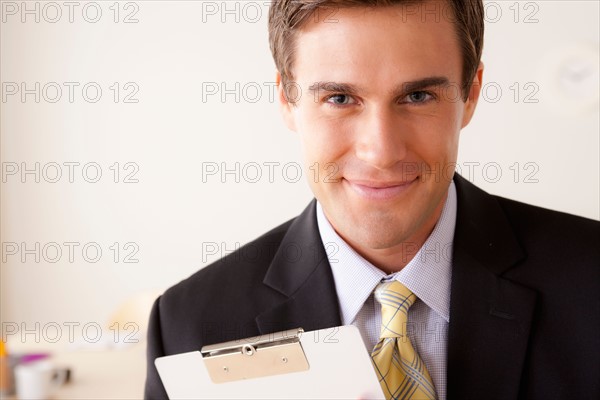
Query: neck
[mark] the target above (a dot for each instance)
(395, 258)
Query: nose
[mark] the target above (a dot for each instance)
(380, 141)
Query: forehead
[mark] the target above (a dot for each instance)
(355, 43)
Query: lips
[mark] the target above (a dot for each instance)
(378, 190)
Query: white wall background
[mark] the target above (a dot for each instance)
(170, 215)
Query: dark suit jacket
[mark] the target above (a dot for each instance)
(524, 313)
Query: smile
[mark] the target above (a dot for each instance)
(379, 190)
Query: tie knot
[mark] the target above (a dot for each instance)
(395, 300)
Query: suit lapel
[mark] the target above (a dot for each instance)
(300, 271)
(490, 316)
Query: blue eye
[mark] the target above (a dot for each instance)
(339, 99)
(419, 97)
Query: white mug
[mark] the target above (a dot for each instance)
(38, 380)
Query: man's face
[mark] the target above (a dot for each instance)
(379, 117)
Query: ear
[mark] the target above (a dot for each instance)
(474, 93)
(285, 107)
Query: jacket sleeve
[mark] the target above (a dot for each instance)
(154, 388)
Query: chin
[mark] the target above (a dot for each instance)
(379, 234)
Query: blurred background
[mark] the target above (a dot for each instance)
(141, 141)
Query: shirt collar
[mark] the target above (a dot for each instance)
(428, 275)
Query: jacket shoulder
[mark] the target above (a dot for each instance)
(562, 254)
(535, 224)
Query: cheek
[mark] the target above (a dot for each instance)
(323, 140)
(435, 140)
(324, 148)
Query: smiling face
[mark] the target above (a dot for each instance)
(379, 118)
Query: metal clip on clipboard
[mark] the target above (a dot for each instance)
(279, 353)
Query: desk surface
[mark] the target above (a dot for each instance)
(102, 374)
(109, 374)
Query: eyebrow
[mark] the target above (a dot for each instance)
(433, 81)
(333, 87)
(406, 87)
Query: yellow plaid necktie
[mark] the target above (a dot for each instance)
(402, 373)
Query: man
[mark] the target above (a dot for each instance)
(503, 296)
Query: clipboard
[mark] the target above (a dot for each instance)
(330, 363)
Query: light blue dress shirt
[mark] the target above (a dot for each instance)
(428, 275)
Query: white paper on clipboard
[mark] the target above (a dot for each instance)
(339, 368)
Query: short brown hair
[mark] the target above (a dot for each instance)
(287, 16)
